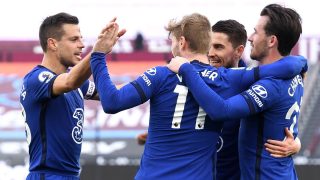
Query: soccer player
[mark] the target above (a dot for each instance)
(52, 98)
(228, 41)
(181, 139)
(272, 103)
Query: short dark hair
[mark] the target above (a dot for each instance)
(285, 24)
(51, 27)
(235, 31)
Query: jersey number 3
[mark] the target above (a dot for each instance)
(294, 108)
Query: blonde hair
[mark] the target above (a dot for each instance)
(195, 28)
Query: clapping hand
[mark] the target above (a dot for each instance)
(108, 37)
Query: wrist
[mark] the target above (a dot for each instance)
(98, 53)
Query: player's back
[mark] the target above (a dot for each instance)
(280, 102)
(181, 138)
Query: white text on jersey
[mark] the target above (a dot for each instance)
(146, 79)
(255, 97)
(294, 84)
(210, 74)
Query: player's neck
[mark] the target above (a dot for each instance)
(271, 58)
(236, 64)
(200, 57)
(53, 64)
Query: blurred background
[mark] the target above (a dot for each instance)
(110, 150)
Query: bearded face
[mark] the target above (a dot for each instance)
(259, 40)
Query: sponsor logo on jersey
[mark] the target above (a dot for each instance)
(146, 79)
(90, 90)
(209, 74)
(260, 90)
(219, 144)
(255, 97)
(45, 76)
(294, 84)
(77, 130)
(152, 71)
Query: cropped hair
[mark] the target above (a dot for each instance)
(235, 31)
(51, 27)
(285, 24)
(195, 28)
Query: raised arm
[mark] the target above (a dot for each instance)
(112, 99)
(78, 74)
(73, 79)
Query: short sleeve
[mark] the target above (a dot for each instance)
(40, 83)
(262, 95)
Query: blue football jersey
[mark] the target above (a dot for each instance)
(280, 101)
(181, 137)
(227, 158)
(53, 123)
(235, 107)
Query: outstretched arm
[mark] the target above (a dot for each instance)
(112, 99)
(213, 104)
(78, 74)
(285, 68)
(234, 107)
(96, 94)
(284, 148)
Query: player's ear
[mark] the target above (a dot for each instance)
(273, 41)
(182, 42)
(240, 50)
(52, 44)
